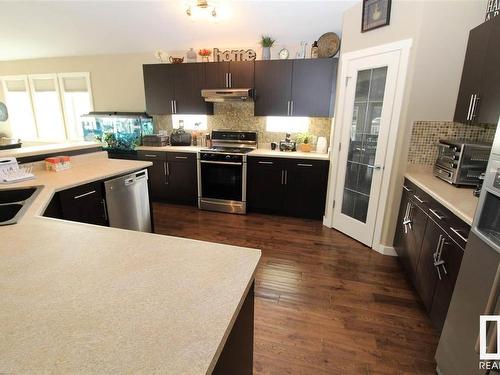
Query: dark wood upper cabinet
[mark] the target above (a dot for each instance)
(234, 74)
(189, 80)
(273, 87)
(159, 89)
(175, 89)
(313, 87)
(479, 90)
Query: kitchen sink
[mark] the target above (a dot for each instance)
(14, 202)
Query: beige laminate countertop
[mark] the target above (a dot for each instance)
(257, 152)
(79, 298)
(460, 201)
(48, 149)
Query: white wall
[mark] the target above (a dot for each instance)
(439, 30)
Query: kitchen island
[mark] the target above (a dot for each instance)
(80, 298)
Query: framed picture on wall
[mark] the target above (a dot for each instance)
(376, 13)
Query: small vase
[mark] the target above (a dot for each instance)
(266, 53)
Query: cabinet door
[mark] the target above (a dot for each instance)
(489, 105)
(182, 178)
(157, 173)
(416, 230)
(305, 184)
(158, 89)
(84, 203)
(452, 256)
(312, 83)
(242, 74)
(216, 75)
(273, 87)
(265, 185)
(472, 73)
(427, 276)
(189, 81)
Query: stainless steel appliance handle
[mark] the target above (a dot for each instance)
(458, 234)
(492, 301)
(220, 162)
(440, 217)
(266, 162)
(304, 165)
(418, 198)
(470, 105)
(84, 194)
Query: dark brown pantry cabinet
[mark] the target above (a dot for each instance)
(479, 93)
(285, 186)
(234, 74)
(430, 242)
(173, 176)
(295, 87)
(175, 89)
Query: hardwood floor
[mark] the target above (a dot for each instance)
(325, 304)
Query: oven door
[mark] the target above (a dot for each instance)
(222, 180)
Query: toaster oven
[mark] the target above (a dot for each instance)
(460, 162)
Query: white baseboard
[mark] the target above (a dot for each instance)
(385, 250)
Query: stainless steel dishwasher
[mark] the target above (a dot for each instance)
(128, 202)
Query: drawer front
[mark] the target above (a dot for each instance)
(151, 155)
(181, 156)
(265, 162)
(307, 163)
(456, 228)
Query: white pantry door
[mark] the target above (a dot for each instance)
(366, 121)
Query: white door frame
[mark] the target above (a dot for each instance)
(403, 47)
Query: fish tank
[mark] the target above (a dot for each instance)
(120, 132)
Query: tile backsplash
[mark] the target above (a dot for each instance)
(239, 116)
(426, 134)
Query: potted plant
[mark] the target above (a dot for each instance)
(304, 140)
(205, 54)
(266, 42)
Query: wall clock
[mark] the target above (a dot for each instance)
(284, 54)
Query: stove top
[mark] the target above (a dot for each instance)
(229, 150)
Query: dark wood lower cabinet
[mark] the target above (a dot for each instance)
(84, 203)
(237, 355)
(428, 249)
(294, 187)
(173, 176)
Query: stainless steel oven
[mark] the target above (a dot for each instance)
(222, 172)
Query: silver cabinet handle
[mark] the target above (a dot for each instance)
(266, 162)
(418, 198)
(282, 177)
(151, 156)
(230, 79)
(172, 106)
(84, 194)
(407, 217)
(458, 234)
(304, 165)
(440, 217)
(165, 172)
(406, 188)
(227, 80)
(181, 157)
(288, 109)
(291, 108)
(470, 106)
(474, 107)
(105, 209)
(286, 177)
(175, 106)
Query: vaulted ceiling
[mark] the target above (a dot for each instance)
(35, 29)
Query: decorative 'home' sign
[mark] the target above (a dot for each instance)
(234, 55)
(492, 9)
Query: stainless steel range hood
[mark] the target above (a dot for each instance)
(227, 95)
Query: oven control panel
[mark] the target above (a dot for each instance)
(215, 156)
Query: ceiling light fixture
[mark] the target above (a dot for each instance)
(201, 7)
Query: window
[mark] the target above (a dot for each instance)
(190, 122)
(47, 107)
(287, 124)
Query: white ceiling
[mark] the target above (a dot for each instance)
(35, 29)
